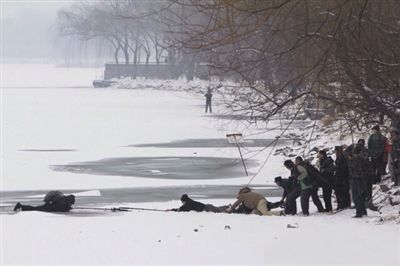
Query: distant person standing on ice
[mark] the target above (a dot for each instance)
(208, 96)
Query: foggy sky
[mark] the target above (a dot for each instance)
(28, 29)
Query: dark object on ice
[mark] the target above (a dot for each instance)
(196, 230)
(295, 225)
(55, 201)
(102, 83)
(227, 227)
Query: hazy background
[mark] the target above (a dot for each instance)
(29, 34)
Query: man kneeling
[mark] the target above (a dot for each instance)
(254, 201)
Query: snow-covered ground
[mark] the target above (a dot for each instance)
(52, 116)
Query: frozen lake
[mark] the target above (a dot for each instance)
(65, 135)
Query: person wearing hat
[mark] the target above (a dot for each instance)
(287, 186)
(252, 200)
(376, 151)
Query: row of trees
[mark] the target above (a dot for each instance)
(127, 26)
(340, 53)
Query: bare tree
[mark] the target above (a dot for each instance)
(341, 53)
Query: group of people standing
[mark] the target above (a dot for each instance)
(350, 176)
(353, 172)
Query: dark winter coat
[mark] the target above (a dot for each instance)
(376, 145)
(327, 170)
(341, 171)
(55, 201)
(357, 167)
(313, 173)
(208, 96)
(287, 186)
(59, 206)
(191, 205)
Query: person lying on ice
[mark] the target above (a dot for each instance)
(54, 201)
(191, 205)
(254, 201)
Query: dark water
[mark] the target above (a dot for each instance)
(210, 143)
(162, 167)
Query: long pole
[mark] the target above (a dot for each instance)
(241, 156)
(101, 209)
(142, 209)
(123, 209)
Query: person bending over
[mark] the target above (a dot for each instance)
(252, 200)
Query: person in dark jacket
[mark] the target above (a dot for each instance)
(208, 96)
(305, 188)
(316, 183)
(191, 205)
(288, 186)
(357, 169)
(327, 171)
(371, 174)
(55, 201)
(341, 181)
(376, 150)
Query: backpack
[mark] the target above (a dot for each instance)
(312, 171)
